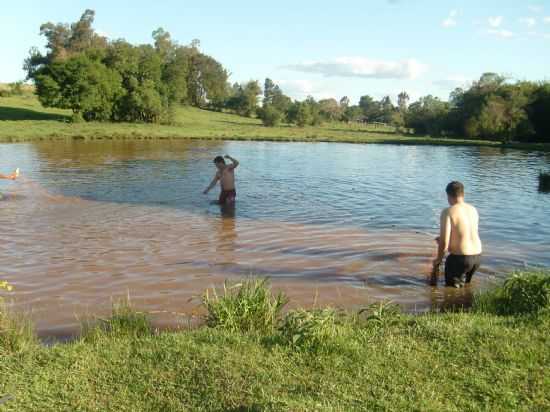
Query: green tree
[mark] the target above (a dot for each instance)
(352, 114)
(539, 112)
(330, 110)
(403, 101)
(87, 87)
(270, 115)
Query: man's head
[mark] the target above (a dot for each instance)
(219, 162)
(455, 192)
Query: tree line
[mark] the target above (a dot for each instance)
(112, 80)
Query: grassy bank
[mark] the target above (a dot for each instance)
(251, 357)
(23, 119)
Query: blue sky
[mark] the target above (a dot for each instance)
(321, 48)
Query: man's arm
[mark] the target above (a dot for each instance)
(444, 237)
(212, 183)
(235, 162)
(13, 176)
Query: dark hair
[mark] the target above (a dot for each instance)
(455, 189)
(219, 159)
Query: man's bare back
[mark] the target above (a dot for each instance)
(462, 220)
(459, 235)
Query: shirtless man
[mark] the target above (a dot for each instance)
(13, 176)
(459, 236)
(226, 175)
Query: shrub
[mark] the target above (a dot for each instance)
(382, 314)
(309, 329)
(15, 333)
(521, 294)
(270, 116)
(124, 321)
(248, 306)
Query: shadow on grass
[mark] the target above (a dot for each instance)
(15, 114)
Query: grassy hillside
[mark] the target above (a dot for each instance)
(22, 118)
(250, 358)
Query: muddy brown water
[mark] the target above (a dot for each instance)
(330, 224)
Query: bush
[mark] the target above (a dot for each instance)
(270, 116)
(248, 306)
(382, 313)
(16, 334)
(544, 182)
(309, 329)
(124, 321)
(521, 294)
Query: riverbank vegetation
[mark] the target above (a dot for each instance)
(103, 80)
(23, 119)
(253, 356)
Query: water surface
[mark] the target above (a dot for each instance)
(329, 223)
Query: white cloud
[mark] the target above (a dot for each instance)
(505, 34)
(546, 20)
(535, 8)
(528, 21)
(450, 21)
(300, 89)
(495, 22)
(453, 82)
(362, 67)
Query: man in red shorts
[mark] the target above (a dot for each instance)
(226, 176)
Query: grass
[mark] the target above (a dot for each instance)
(23, 119)
(247, 306)
(379, 359)
(523, 295)
(544, 182)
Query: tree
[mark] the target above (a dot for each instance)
(244, 99)
(270, 115)
(539, 112)
(344, 102)
(330, 110)
(85, 86)
(352, 114)
(273, 95)
(303, 115)
(152, 79)
(403, 101)
(428, 116)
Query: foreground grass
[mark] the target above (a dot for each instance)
(23, 119)
(379, 360)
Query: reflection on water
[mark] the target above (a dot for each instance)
(330, 224)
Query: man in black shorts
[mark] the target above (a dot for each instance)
(459, 236)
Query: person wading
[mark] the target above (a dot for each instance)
(226, 176)
(459, 236)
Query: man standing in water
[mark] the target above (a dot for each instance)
(459, 236)
(13, 176)
(226, 175)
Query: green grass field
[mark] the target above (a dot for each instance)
(252, 357)
(22, 119)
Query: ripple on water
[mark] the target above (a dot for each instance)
(329, 224)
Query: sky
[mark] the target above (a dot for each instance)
(318, 48)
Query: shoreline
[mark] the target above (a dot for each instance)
(390, 140)
(251, 356)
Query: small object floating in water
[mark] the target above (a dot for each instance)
(17, 172)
